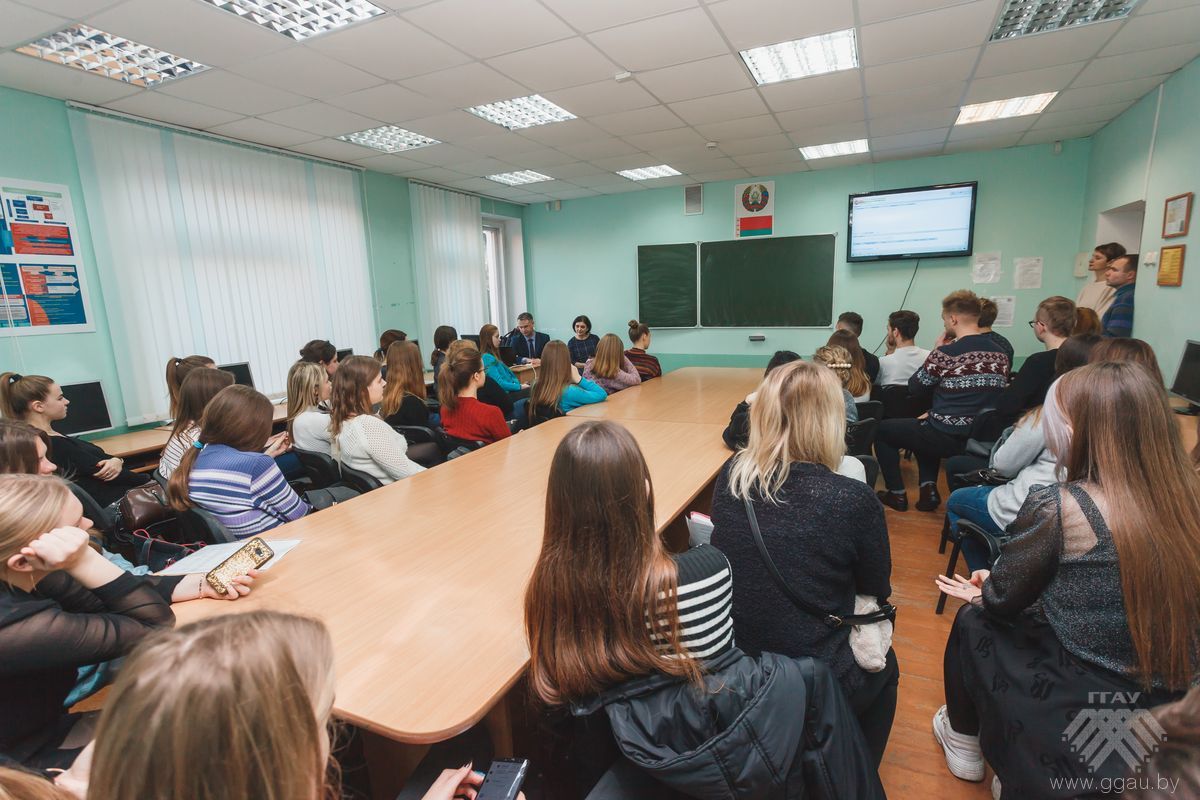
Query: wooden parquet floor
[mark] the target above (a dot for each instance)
(913, 766)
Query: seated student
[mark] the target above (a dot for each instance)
(463, 415)
(737, 432)
(258, 703)
(987, 317)
(859, 384)
(177, 370)
(825, 532)
(39, 401)
(1096, 293)
(646, 364)
(559, 387)
(903, 357)
(526, 342)
(837, 359)
(1074, 608)
(443, 336)
(363, 441)
(1173, 770)
(229, 474)
(964, 375)
(490, 392)
(497, 370)
(1086, 321)
(852, 322)
(309, 388)
(405, 392)
(1135, 350)
(619, 628)
(1052, 323)
(386, 339)
(583, 344)
(609, 368)
(320, 351)
(198, 388)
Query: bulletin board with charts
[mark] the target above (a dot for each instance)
(42, 284)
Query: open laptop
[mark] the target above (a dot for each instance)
(508, 355)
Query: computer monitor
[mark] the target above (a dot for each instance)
(508, 355)
(240, 372)
(343, 354)
(1187, 378)
(87, 412)
(471, 337)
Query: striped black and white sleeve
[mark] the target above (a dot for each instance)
(705, 597)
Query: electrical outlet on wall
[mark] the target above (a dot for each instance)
(1150, 259)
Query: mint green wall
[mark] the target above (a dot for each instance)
(582, 259)
(45, 153)
(1165, 316)
(389, 232)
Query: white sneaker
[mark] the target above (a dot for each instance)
(995, 787)
(964, 759)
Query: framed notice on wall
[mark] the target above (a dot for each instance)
(1177, 213)
(42, 285)
(1170, 265)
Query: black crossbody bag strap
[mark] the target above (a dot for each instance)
(886, 612)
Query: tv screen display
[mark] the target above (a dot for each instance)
(342, 355)
(87, 411)
(921, 222)
(1187, 377)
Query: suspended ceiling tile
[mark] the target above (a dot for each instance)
(501, 144)
(1049, 49)
(602, 97)
(1100, 95)
(995, 128)
(452, 126)
(952, 28)
(839, 161)
(332, 149)
(262, 132)
(165, 108)
(222, 89)
(910, 140)
(697, 79)
(719, 108)
(657, 140)
(661, 41)
(748, 127)
(1046, 135)
(466, 86)
(1149, 31)
(955, 65)
(558, 65)
(928, 98)
(23, 24)
(1080, 116)
(590, 15)
(600, 148)
(389, 47)
(304, 72)
(54, 80)
(909, 123)
(574, 131)
(763, 144)
(754, 23)
(322, 119)
(642, 120)
(390, 163)
(982, 143)
(1144, 63)
(850, 111)
(903, 154)
(829, 134)
(732, 174)
(818, 90)
(754, 161)
(1021, 84)
(390, 103)
(879, 10)
(488, 29)
(546, 157)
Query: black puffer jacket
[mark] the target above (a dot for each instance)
(773, 728)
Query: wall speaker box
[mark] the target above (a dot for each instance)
(693, 199)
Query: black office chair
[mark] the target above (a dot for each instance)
(159, 478)
(872, 468)
(624, 781)
(198, 525)
(967, 529)
(898, 403)
(870, 409)
(860, 436)
(320, 468)
(426, 446)
(359, 480)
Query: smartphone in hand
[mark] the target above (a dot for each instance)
(504, 779)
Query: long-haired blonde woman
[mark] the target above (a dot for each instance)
(559, 387)
(825, 532)
(364, 441)
(838, 360)
(405, 392)
(199, 387)
(177, 370)
(859, 384)
(309, 387)
(1095, 591)
(610, 368)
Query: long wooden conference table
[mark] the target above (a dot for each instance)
(421, 582)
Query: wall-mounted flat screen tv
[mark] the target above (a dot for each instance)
(921, 222)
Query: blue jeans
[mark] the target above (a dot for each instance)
(970, 503)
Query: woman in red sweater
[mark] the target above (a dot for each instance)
(464, 416)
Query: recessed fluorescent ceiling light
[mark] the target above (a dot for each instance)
(835, 149)
(1003, 109)
(646, 173)
(1023, 17)
(816, 55)
(389, 139)
(113, 57)
(522, 112)
(518, 178)
(300, 19)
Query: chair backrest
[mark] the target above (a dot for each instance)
(196, 524)
(966, 528)
(359, 480)
(860, 436)
(320, 468)
(102, 521)
(159, 478)
(870, 409)
(540, 414)
(872, 469)
(624, 781)
(898, 403)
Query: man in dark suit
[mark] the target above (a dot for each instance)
(527, 343)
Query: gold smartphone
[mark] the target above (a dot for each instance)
(252, 555)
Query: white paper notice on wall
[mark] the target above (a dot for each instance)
(1006, 310)
(1081, 264)
(985, 268)
(1027, 272)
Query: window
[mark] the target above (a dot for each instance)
(493, 260)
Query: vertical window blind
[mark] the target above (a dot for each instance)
(448, 261)
(212, 248)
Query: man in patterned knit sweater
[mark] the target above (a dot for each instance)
(965, 372)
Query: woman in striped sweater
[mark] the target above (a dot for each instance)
(227, 473)
(197, 389)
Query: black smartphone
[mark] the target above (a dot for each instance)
(504, 779)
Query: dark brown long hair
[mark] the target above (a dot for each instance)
(1087, 321)
(238, 417)
(405, 375)
(351, 393)
(443, 335)
(462, 362)
(18, 446)
(553, 377)
(387, 339)
(177, 371)
(485, 340)
(860, 382)
(1153, 497)
(1124, 349)
(602, 574)
(196, 391)
(18, 392)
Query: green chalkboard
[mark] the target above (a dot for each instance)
(784, 281)
(667, 285)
